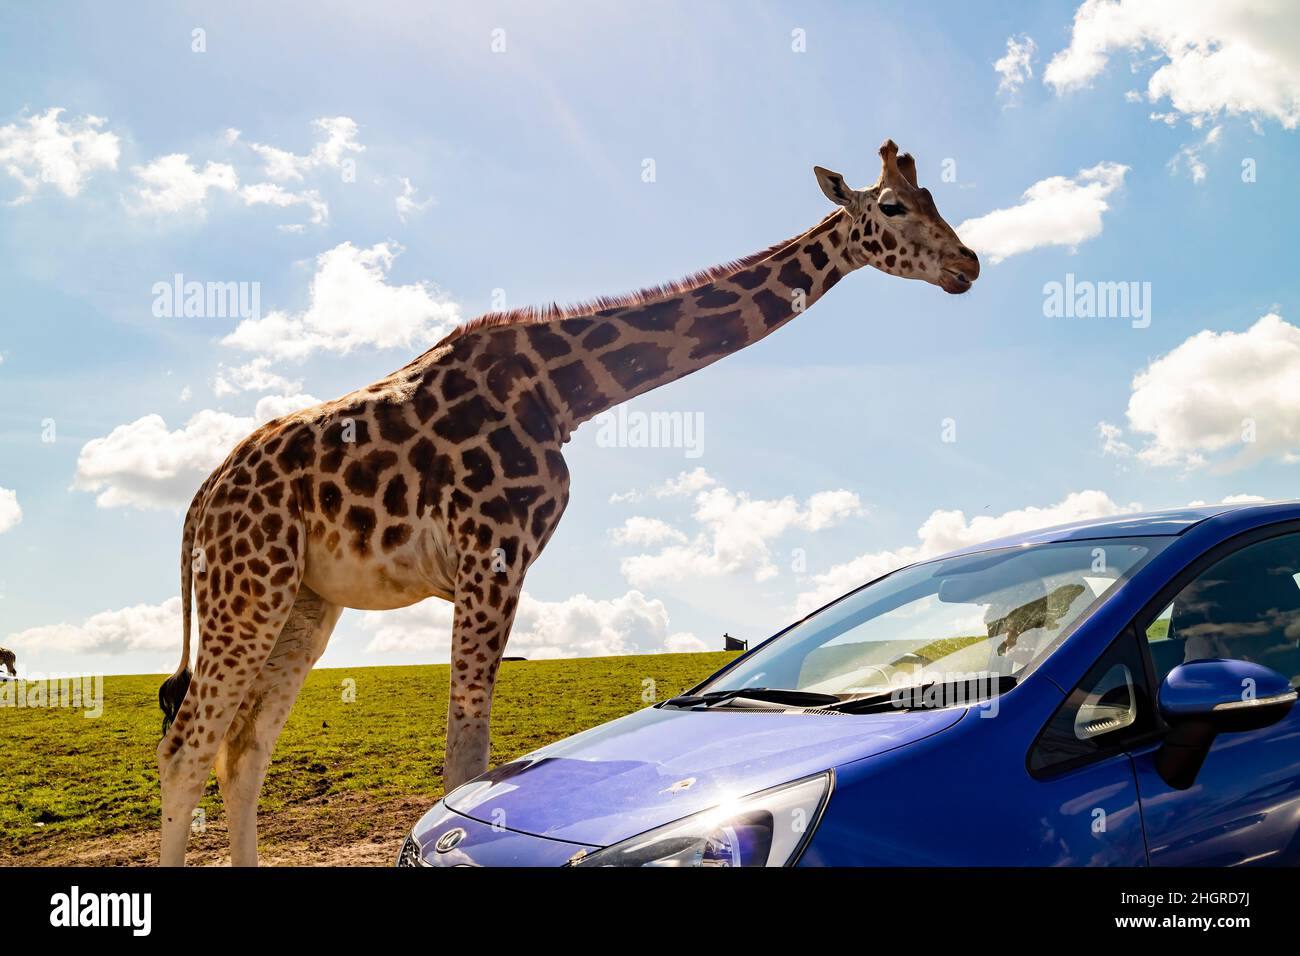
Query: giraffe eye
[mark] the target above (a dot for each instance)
(892, 208)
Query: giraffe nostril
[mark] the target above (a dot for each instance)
(967, 253)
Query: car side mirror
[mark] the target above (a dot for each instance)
(1201, 699)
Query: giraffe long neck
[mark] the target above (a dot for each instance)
(592, 362)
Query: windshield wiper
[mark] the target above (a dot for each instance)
(931, 695)
(775, 695)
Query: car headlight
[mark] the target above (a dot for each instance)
(768, 828)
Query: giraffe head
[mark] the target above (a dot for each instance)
(896, 226)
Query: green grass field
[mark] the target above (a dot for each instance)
(373, 730)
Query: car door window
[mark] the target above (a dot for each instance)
(1245, 606)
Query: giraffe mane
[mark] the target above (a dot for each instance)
(533, 314)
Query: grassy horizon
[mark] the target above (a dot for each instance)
(377, 729)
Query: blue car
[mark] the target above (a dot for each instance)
(1112, 692)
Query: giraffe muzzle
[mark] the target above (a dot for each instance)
(961, 272)
(954, 281)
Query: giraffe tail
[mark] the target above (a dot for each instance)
(172, 692)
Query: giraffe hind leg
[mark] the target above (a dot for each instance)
(245, 751)
(239, 627)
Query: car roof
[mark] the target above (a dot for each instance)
(1145, 524)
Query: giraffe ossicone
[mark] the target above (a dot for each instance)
(446, 479)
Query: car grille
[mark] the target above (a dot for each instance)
(409, 855)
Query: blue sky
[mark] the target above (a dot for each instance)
(1110, 142)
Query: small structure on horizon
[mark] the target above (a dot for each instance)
(730, 643)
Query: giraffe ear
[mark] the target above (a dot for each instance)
(907, 166)
(833, 185)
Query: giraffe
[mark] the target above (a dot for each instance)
(446, 479)
(9, 661)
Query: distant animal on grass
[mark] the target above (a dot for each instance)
(446, 479)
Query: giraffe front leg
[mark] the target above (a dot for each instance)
(494, 556)
(479, 636)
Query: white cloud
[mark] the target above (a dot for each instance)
(1231, 500)
(144, 465)
(645, 531)
(271, 407)
(1112, 441)
(406, 202)
(254, 376)
(279, 163)
(828, 508)
(1016, 65)
(1056, 211)
(351, 305)
(340, 138)
(271, 194)
(578, 626)
(44, 149)
(10, 513)
(172, 184)
(1190, 156)
(1221, 391)
(947, 531)
(736, 532)
(683, 642)
(842, 578)
(143, 627)
(1239, 57)
(685, 484)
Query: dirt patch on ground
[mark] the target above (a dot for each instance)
(348, 830)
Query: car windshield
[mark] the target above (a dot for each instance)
(996, 614)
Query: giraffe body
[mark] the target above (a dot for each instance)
(446, 479)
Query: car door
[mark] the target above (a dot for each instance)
(1087, 790)
(1241, 601)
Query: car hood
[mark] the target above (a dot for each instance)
(659, 765)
